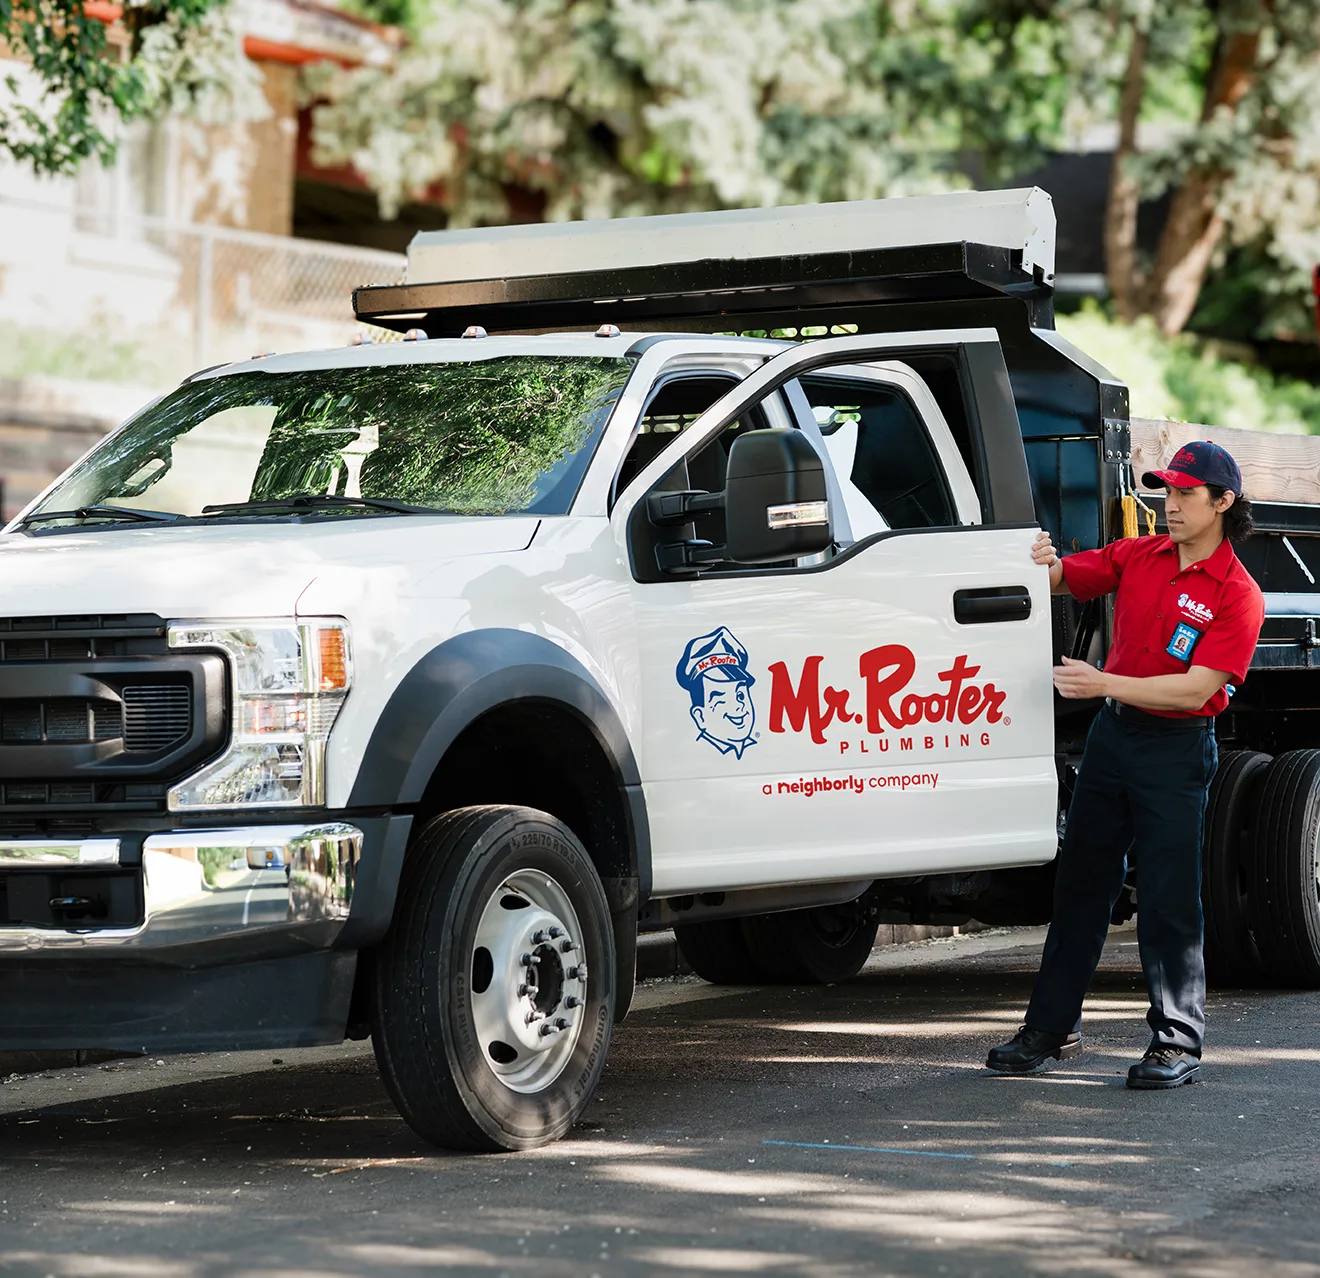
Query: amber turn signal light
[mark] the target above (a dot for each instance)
(334, 659)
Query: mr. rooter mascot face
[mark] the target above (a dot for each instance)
(714, 671)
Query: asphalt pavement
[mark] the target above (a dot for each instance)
(841, 1131)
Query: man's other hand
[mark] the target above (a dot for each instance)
(1043, 551)
(1077, 680)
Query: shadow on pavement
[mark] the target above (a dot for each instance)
(837, 1131)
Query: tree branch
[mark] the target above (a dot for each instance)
(1195, 226)
(1124, 193)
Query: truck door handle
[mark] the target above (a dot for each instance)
(997, 603)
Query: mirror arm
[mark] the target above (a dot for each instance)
(688, 558)
(667, 509)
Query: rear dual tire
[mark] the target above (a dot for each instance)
(823, 945)
(1285, 885)
(1231, 956)
(1260, 889)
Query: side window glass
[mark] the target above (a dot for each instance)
(657, 549)
(672, 409)
(877, 439)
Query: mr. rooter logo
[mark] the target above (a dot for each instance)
(890, 708)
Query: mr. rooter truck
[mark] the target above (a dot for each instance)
(676, 572)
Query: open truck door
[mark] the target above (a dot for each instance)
(880, 704)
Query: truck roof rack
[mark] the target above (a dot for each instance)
(726, 270)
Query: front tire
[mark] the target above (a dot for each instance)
(494, 988)
(1285, 894)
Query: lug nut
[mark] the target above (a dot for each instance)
(572, 1001)
(547, 1030)
(529, 960)
(556, 933)
(522, 990)
(538, 937)
(566, 947)
(560, 1023)
(577, 973)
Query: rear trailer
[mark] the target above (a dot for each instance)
(977, 260)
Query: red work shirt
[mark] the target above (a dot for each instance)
(1168, 618)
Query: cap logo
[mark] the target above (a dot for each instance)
(716, 659)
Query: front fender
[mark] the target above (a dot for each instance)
(453, 686)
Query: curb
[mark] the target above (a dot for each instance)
(36, 1062)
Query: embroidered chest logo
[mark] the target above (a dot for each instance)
(1194, 609)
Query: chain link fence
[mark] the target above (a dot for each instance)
(147, 300)
(99, 314)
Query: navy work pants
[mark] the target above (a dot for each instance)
(1141, 786)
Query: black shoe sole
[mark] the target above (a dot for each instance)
(1163, 1085)
(1065, 1053)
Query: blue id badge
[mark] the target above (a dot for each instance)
(1183, 641)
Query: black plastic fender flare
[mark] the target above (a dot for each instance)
(451, 687)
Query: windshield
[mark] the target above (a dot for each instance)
(488, 437)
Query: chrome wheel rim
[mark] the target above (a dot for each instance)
(528, 980)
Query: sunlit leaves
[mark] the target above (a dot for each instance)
(87, 80)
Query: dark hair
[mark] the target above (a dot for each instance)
(1239, 523)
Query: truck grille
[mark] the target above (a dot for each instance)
(79, 638)
(98, 713)
(62, 721)
(156, 715)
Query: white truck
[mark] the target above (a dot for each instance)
(391, 690)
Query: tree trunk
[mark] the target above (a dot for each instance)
(1124, 196)
(1194, 227)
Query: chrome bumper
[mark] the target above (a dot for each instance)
(247, 891)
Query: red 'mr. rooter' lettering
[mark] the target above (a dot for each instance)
(803, 704)
(887, 671)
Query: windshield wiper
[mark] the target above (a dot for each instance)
(101, 512)
(317, 501)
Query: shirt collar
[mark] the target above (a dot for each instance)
(1218, 566)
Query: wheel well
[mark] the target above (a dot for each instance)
(539, 754)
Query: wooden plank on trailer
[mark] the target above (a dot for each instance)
(1282, 468)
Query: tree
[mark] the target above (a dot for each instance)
(121, 62)
(579, 108)
(1247, 169)
(569, 108)
(1235, 87)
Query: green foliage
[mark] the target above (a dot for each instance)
(178, 56)
(96, 354)
(619, 107)
(610, 107)
(1189, 379)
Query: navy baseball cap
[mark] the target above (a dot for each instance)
(1197, 463)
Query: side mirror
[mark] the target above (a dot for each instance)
(775, 504)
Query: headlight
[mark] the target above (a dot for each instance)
(289, 679)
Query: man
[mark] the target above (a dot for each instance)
(1186, 620)
(713, 669)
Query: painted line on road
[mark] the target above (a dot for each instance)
(878, 1149)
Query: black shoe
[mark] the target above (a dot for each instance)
(1029, 1049)
(1164, 1067)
